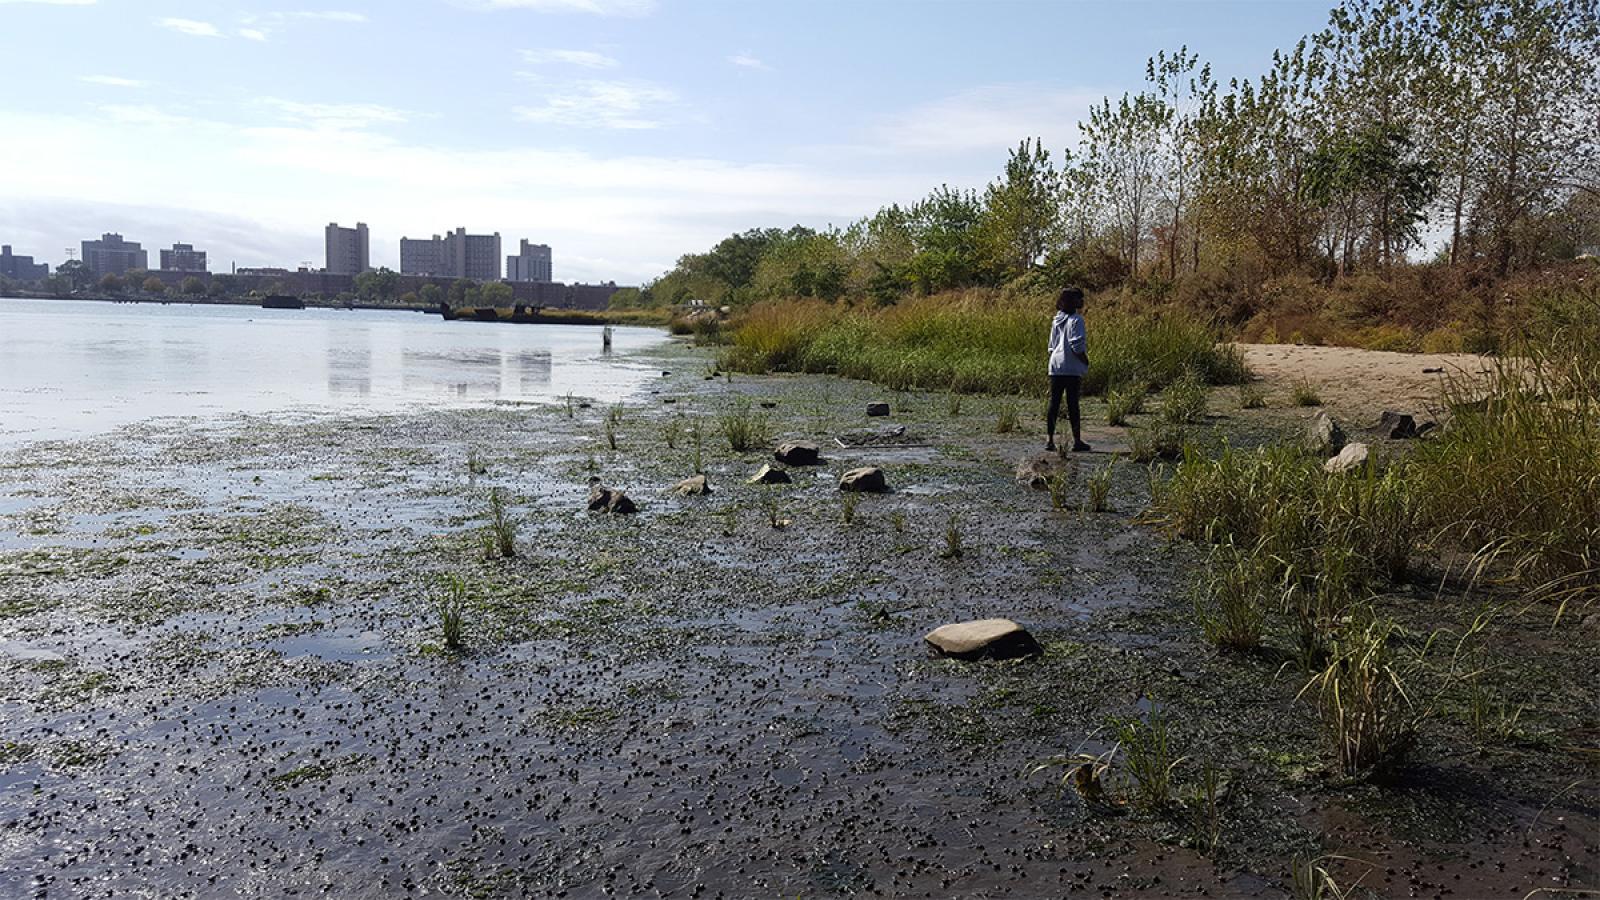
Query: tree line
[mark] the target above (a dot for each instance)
(1472, 126)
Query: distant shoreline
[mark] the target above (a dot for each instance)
(540, 316)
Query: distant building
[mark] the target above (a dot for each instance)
(183, 258)
(111, 255)
(456, 255)
(21, 268)
(532, 263)
(347, 249)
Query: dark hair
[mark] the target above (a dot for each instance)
(1070, 300)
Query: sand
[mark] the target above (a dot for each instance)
(1361, 383)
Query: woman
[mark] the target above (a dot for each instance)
(1069, 360)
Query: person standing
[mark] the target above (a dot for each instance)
(1069, 361)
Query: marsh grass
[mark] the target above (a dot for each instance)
(1160, 440)
(1310, 879)
(1233, 596)
(1060, 486)
(1205, 810)
(502, 528)
(1305, 394)
(572, 405)
(1098, 488)
(475, 463)
(1149, 760)
(1124, 401)
(971, 341)
(730, 519)
(671, 431)
(1006, 418)
(451, 595)
(744, 428)
(953, 548)
(611, 433)
(1252, 397)
(1184, 400)
(952, 405)
(1367, 715)
(897, 520)
(697, 439)
(848, 500)
(774, 509)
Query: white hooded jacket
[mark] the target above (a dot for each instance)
(1067, 339)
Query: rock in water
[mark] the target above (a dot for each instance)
(798, 453)
(610, 500)
(692, 486)
(877, 409)
(1395, 426)
(868, 480)
(982, 639)
(770, 475)
(1353, 456)
(1036, 470)
(1324, 437)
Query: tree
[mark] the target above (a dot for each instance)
(380, 285)
(624, 298)
(216, 290)
(154, 285)
(1379, 187)
(462, 290)
(1022, 210)
(496, 293)
(74, 274)
(109, 282)
(431, 294)
(1124, 144)
(192, 287)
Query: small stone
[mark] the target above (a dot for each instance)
(1433, 370)
(769, 475)
(798, 453)
(1037, 469)
(877, 409)
(769, 404)
(669, 400)
(609, 500)
(1395, 426)
(982, 639)
(1353, 456)
(1324, 437)
(867, 480)
(692, 486)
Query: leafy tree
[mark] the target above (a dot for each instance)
(1022, 210)
(216, 289)
(625, 298)
(109, 282)
(1124, 142)
(154, 285)
(462, 290)
(380, 285)
(74, 274)
(431, 294)
(192, 287)
(496, 293)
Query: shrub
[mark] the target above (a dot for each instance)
(450, 598)
(1252, 397)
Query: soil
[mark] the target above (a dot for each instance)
(223, 672)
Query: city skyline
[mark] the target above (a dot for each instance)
(627, 132)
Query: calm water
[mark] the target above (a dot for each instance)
(72, 368)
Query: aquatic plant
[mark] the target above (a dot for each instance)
(475, 464)
(1184, 400)
(952, 538)
(897, 520)
(1149, 759)
(671, 429)
(611, 433)
(730, 519)
(1060, 485)
(774, 509)
(697, 439)
(1235, 591)
(450, 599)
(572, 405)
(1304, 394)
(1159, 440)
(1366, 714)
(1124, 401)
(745, 428)
(501, 525)
(848, 500)
(1309, 879)
(952, 404)
(1098, 488)
(1006, 418)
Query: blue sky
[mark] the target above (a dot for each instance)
(621, 132)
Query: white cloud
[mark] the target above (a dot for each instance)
(192, 27)
(252, 34)
(337, 115)
(109, 80)
(989, 118)
(748, 62)
(52, 2)
(329, 15)
(587, 59)
(592, 7)
(628, 105)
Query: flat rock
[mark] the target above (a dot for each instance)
(877, 409)
(609, 500)
(1035, 470)
(982, 639)
(1324, 437)
(694, 485)
(867, 479)
(798, 453)
(770, 475)
(1395, 426)
(1352, 456)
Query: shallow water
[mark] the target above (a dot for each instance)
(74, 368)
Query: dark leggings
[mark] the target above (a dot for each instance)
(1073, 386)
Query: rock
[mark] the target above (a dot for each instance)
(891, 435)
(798, 453)
(868, 480)
(1036, 470)
(1395, 426)
(877, 409)
(982, 639)
(1591, 622)
(1433, 370)
(1427, 429)
(610, 500)
(669, 399)
(1324, 437)
(692, 486)
(770, 475)
(769, 404)
(1353, 456)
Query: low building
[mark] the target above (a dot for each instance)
(532, 263)
(21, 268)
(183, 258)
(111, 255)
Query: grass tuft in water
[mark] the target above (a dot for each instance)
(1124, 401)
(1006, 418)
(1098, 488)
(745, 428)
(451, 595)
(501, 526)
(1149, 760)
(952, 538)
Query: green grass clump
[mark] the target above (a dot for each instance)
(953, 548)
(1161, 440)
(1184, 400)
(450, 600)
(502, 529)
(1304, 394)
(745, 428)
(1149, 760)
(1006, 418)
(1234, 595)
(1367, 715)
(1125, 401)
(1252, 397)
(972, 341)
(1098, 488)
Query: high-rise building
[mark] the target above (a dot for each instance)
(183, 258)
(21, 268)
(456, 255)
(111, 255)
(347, 249)
(531, 264)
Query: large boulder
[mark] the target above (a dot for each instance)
(770, 475)
(694, 485)
(609, 500)
(1395, 426)
(798, 453)
(1353, 456)
(868, 480)
(877, 409)
(982, 639)
(1037, 470)
(1324, 437)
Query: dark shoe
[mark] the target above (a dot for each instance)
(1049, 446)
(1080, 447)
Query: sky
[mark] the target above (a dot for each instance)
(623, 133)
